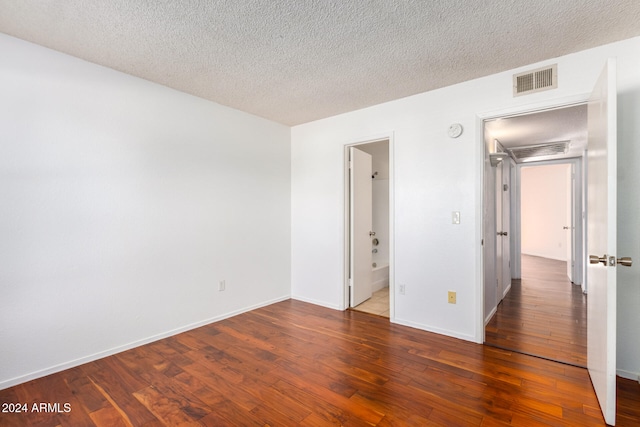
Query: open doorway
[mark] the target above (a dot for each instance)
(368, 227)
(533, 178)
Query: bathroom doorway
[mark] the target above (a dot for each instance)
(368, 231)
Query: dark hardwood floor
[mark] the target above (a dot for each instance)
(294, 363)
(544, 314)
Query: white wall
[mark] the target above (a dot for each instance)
(380, 197)
(435, 175)
(543, 211)
(124, 203)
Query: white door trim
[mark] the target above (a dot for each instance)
(345, 208)
(578, 233)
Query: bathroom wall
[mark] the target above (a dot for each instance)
(380, 167)
(381, 220)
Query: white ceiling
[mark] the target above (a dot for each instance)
(294, 61)
(562, 124)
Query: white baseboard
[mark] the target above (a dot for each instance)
(435, 330)
(490, 315)
(316, 302)
(634, 376)
(380, 284)
(80, 361)
(506, 291)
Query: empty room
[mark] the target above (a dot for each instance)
(177, 237)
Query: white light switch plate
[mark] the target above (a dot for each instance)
(455, 217)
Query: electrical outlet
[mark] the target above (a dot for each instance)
(452, 297)
(222, 285)
(401, 289)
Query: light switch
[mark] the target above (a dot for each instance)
(455, 217)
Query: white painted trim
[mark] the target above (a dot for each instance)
(633, 376)
(479, 291)
(580, 224)
(491, 314)
(433, 329)
(317, 302)
(506, 291)
(514, 227)
(584, 218)
(77, 362)
(387, 136)
(392, 227)
(521, 110)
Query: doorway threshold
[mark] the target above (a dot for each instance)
(378, 304)
(564, 362)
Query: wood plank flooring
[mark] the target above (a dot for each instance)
(543, 314)
(294, 363)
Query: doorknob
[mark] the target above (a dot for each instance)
(625, 260)
(502, 233)
(565, 228)
(372, 233)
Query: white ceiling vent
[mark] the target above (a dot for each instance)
(539, 150)
(535, 81)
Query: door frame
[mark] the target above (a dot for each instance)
(579, 217)
(551, 104)
(347, 229)
(504, 285)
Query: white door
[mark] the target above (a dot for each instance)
(503, 247)
(499, 239)
(601, 241)
(361, 220)
(506, 225)
(570, 227)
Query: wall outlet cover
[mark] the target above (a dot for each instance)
(452, 297)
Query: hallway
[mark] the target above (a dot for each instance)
(543, 314)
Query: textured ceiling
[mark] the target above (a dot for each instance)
(562, 124)
(294, 61)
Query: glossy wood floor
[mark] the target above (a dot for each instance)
(544, 314)
(294, 363)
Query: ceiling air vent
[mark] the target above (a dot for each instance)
(535, 81)
(546, 149)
